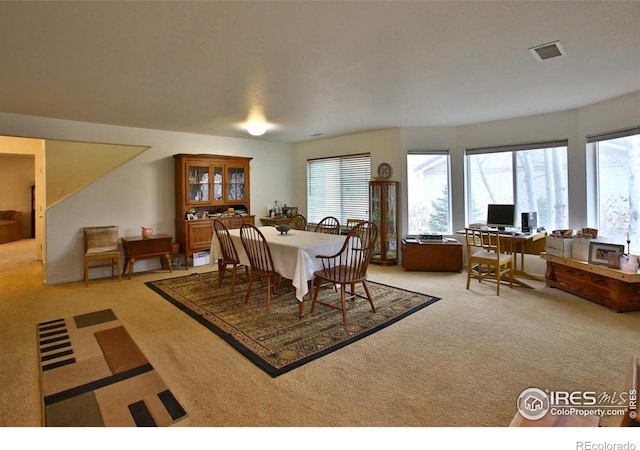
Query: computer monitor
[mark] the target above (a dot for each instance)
(501, 216)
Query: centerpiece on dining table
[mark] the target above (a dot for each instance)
(282, 228)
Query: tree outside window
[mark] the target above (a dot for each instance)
(618, 189)
(429, 205)
(531, 176)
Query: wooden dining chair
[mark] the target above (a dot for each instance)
(229, 262)
(347, 267)
(353, 222)
(328, 225)
(486, 259)
(298, 222)
(260, 260)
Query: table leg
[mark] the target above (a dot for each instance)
(516, 248)
(301, 308)
(132, 261)
(167, 257)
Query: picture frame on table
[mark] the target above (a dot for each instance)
(599, 252)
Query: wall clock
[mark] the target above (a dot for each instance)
(384, 171)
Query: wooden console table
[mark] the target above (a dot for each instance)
(614, 288)
(137, 247)
(432, 256)
(269, 222)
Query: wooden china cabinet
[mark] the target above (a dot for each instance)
(383, 211)
(209, 187)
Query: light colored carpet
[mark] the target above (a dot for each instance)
(462, 361)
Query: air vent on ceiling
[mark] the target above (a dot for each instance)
(548, 51)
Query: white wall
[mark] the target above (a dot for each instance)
(574, 125)
(141, 192)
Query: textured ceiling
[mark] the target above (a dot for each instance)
(327, 67)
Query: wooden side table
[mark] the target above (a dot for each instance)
(155, 246)
(269, 222)
(432, 256)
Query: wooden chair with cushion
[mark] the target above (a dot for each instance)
(298, 222)
(101, 244)
(328, 225)
(485, 258)
(260, 260)
(229, 255)
(347, 267)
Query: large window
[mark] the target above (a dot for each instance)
(531, 176)
(617, 186)
(338, 187)
(428, 201)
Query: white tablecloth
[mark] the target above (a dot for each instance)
(294, 253)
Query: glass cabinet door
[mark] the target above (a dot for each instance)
(375, 207)
(383, 203)
(217, 184)
(235, 184)
(390, 221)
(199, 184)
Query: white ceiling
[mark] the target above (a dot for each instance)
(329, 67)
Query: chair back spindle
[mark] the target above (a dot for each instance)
(298, 222)
(328, 225)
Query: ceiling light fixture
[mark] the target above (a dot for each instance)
(256, 129)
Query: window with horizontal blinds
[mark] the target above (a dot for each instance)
(532, 176)
(338, 187)
(613, 134)
(613, 185)
(518, 147)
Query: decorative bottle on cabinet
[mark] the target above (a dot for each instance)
(383, 211)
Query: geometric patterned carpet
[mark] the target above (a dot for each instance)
(93, 375)
(281, 341)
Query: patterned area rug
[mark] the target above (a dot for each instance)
(280, 341)
(93, 375)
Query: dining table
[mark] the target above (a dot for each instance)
(293, 253)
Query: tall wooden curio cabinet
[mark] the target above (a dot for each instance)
(383, 211)
(209, 187)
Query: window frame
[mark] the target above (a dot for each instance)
(433, 152)
(354, 173)
(592, 170)
(512, 149)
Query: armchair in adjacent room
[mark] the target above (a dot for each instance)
(10, 226)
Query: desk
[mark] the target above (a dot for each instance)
(294, 254)
(137, 247)
(527, 244)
